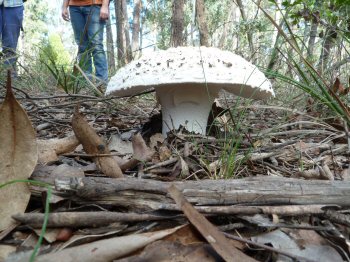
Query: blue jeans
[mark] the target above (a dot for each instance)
(90, 44)
(11, 19)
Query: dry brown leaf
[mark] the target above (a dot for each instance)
(156, 140)
(185, 170)
(94, 145)
(214, 237)
(339, 88)
(18, 156)
(50, 234)
(141, 151)
(186, 235)
(164, 153)
(50, 149)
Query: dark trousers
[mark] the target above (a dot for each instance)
(90, 43)
(11, 19)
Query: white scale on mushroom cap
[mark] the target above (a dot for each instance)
(187, 80)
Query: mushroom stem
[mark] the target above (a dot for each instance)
(188, 105)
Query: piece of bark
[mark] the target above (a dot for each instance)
(93, 144)
(214, 237)
(337, 217)
(284, 210)
(84, 219)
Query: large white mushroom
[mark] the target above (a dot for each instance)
(187, 80)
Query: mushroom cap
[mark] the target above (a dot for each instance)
(191, 65)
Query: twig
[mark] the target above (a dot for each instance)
(85, 219)
(88, 80)
(92, 155)
(161, 164)
(346, 127)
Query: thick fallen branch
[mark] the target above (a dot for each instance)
(149, 194)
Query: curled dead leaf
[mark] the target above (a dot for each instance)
(93, 144)
(142, 153)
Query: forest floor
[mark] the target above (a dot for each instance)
(284, 198)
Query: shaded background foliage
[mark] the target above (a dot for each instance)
(321, 29)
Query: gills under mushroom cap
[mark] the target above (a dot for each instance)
(187, 80)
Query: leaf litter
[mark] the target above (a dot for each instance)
(275, 183)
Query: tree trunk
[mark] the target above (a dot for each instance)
(275, 51)
(177, 23)
(277, 37)
(306, 35)
(313, 30)
(328, 43)
(249, 33)
(110, 48)
(126, 31)
(120, 34)
(201, 19)
(312, 40)
(123, 39)
(136, 28)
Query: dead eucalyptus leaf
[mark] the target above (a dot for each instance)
(93, 144)
(142, 153)
(156, 140)
(116, 143)
(185, 170)
(107, 249)
(283, 241)
(339, 88)
(18, 156)
(49, 150)
(164, 153)
(173, 252)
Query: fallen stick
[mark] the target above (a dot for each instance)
(84, 219)
(96, 219)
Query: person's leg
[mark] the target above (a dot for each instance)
(12, 18)
(95, 34)
(1, 19)
(78, 20)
